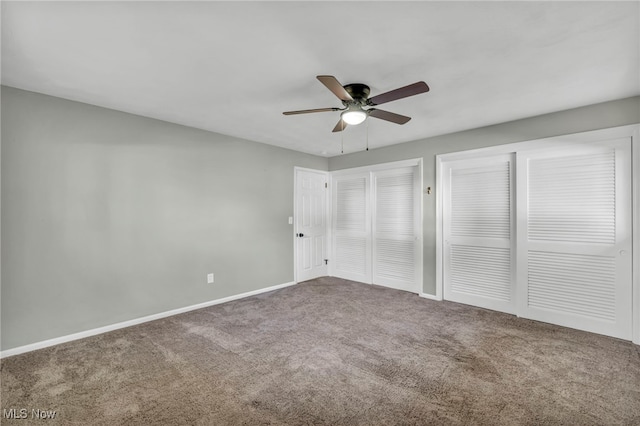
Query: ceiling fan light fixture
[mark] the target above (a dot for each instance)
(355, 97)
(354, 116)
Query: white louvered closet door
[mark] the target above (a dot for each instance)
(574, 246)
(478, 228)
(352, 227)
(396, 239)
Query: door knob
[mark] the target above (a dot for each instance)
(299, 235)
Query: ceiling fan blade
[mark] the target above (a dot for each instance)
(403, 92)
(334, 85)
(340, 126)
(307, 111)
(388, 116)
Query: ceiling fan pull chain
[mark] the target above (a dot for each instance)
(367, 135)
(342, 138)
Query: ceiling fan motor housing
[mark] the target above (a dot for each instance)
(359, 92)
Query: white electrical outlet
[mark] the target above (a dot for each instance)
(210, 278)
(290, 220)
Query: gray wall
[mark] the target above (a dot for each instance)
(599, 116)
(108, 216)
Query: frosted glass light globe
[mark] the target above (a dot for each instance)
(354, 116)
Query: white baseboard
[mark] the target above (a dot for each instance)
(129, 323)
(430, 296)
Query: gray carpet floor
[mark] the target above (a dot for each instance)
(330, 351)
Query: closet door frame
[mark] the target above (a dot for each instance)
(414, 162)
(629, 131)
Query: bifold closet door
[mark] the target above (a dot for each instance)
(574, 236)
(377, 229)
(478, 228)
(352, 227)
(396, 229)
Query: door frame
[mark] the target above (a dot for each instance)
(327, 215)
(628, 131)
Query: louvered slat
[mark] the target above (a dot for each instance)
(351, 204)
(394, 205)
(480, 201)
(572, 283)
(394, 259)
(572, 199)
(351, 255)
(481, 271)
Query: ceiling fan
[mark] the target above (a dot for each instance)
(355, 97)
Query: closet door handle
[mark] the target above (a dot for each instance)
(299, 235)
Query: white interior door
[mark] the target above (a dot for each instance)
(311, 224)
(478, 225)
(574, 230)
(396, 228)
(352, 227)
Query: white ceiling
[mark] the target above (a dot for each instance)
(234, 67)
